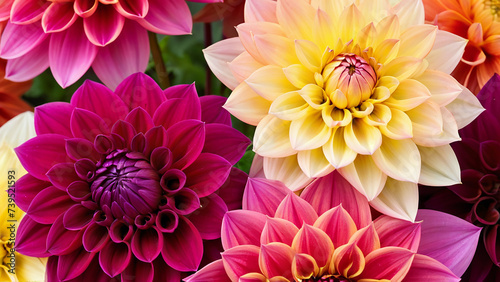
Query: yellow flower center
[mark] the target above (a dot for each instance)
(494, 6)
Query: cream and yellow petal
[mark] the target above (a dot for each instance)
(309, 132)
(314, 95)
(409, 95)
(374, 11)
(219, 55)
(443, 87)
(296, 17)
(289, 106)
(440, 166)
(362, 138)
(387, 28)
(401, 68)
(365, 176)
(243, 66)
(30, 268)
(247, 105)
(324, 30)
(332, 8)
(272, 139)
(410, 13)
(447, 51)
(276, 50)
(399, 159)
(336, 150)
(18, 129)
(314, 163)
(448, 135)
(465, 108)
(247, 32)
(399, 127)
(269, 82)
(309, 55)
(417, 41)
(387, 50)
(352, 22)
(398, 199)
(286, 170)
(426, 120)
(380, 116)
(334, 117)
(299, 76)
(260, 11)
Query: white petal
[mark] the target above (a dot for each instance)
(399, 159)
(446, 52)
(398, 199)
(365, 176)
(286, 170)
(313, 163)
(272, 139)
(18, 129)
(219, 55)
(465, 108)
(247, 105)
(440, 166)
(410, 13)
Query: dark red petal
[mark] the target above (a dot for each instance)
(114, 258)
(147, 244)
(32, 237)
(73, 264)
(208, 218)
(62, 175)
(186, 140)
(78, 148)
(212, 110)
(27, 187)
(95, 237)
(138, 271)
(232, 190)
(49, 204)
(61, 241)
(77, 217)
(226, 142)
(207, 173)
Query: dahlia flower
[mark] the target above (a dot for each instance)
(358, 86)
(284, 237)
(477, 21)
(11, 103)
(230, 12)
(14, 267)
(128, 183)
(477, 198)
(71, 36)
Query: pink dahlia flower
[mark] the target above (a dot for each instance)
(327, 234)
(477, 198)
(128, 183)
(71, 36)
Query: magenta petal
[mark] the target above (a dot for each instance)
(487, 97)
(207, 173)
(183, 249)
(167, 273)
(85, 8)
(125, 130)
(53, 118)
(58, 17)
(140, 90)
(236, 229)
(27, 11)
(212, 272)
(78, 148)
(17, 40)
(264, 195)
(424, 268)
(448, 239)
(62, 175)
(86, 124)
(276, 260)
(387, 263)
(110, 107)
(49, 204)
(212, 110)
(37, 59)
(338, 224)
(278, 230)
(140, 120)
(232, 190)
(114, 258)
(66, 67)
(61, 241)
(132, 44)
(73, 264)
(398, 233)
(104, 26)
(32, 237)
(51, 270)
(208, 218)
(157, 137)
(296, 210)
(174, 110)
(77, 217)
(186, 142)
(226, 142)
(147, 244)
(27, 187)
(95, 237)
(138, 270)
(170, 17)
(241, 260)
(332, 190)
(490, 243)
(132, 9)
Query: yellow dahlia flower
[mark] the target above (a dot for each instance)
(359, 86)
(14, 267)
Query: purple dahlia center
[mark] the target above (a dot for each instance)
(126, 183)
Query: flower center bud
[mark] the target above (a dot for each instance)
(348, 80)
(126, 183)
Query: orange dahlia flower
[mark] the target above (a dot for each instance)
(11, 103)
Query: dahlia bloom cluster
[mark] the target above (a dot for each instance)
(284, 237)
(127, 183)
(42, 33)
(358, 86)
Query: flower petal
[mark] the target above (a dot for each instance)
(18, 40)
(207, 173)
(72, 265)
(272, 139)
(440, 166)
(446, 52)
(168, 17)
(184, 240)
(49, 204)
(226, 142)
(264, 195)
(286, 170)
(114, 258)
(186, 153)
(37, 58)
(314, 242)
(213, 271)
(278, 230)
(424, 268)
(186, 107)
(140, 90)
(54, 118)
(466, 100)
(247, 105)
(338, 224)
(147, 243)
(221, 53)
(398, 233)
(296, 210)
(365, 176)
(236, 231)
(399, 159)
(275, 259)
(208, 218)
(241, 260)
(32, 237)
(398, 199)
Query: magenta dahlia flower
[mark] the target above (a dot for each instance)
(125, 183)
(327, 234)
(70, 36)
(477, 198)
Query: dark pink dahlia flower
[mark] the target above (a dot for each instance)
(70, 36)
(477, 199)
(128, 184)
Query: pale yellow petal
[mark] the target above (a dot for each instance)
(247, 32)
(334, 117)
(219, 55)
(399, 127)
(388, 28)
(289, 106)
(299, 76)
(447, 136)
(247, 105)
(30, 268)
(398, 199)
(276, 50)
(314, 96)
(465, 108)
(243, 66)
(270, 82)
(401, 68)
(313, 163)
(272, 139)
(387, 50)
(366, 38)
(446, 52)
(426, 120)
(380, 116)
(443, 87)
(18, 129)
(336, 150)
(352, 22)
(286, 170)
(390, 82)
(374, 11)
(440, 166)
(296, 17)
(410, 13)
(362, 138)
(260, 11)
(332, 8)
(324, 30)
(399, 159)
(417, 41)
(409, 95)
(309, 54)
(365, 176)
(309, 132)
